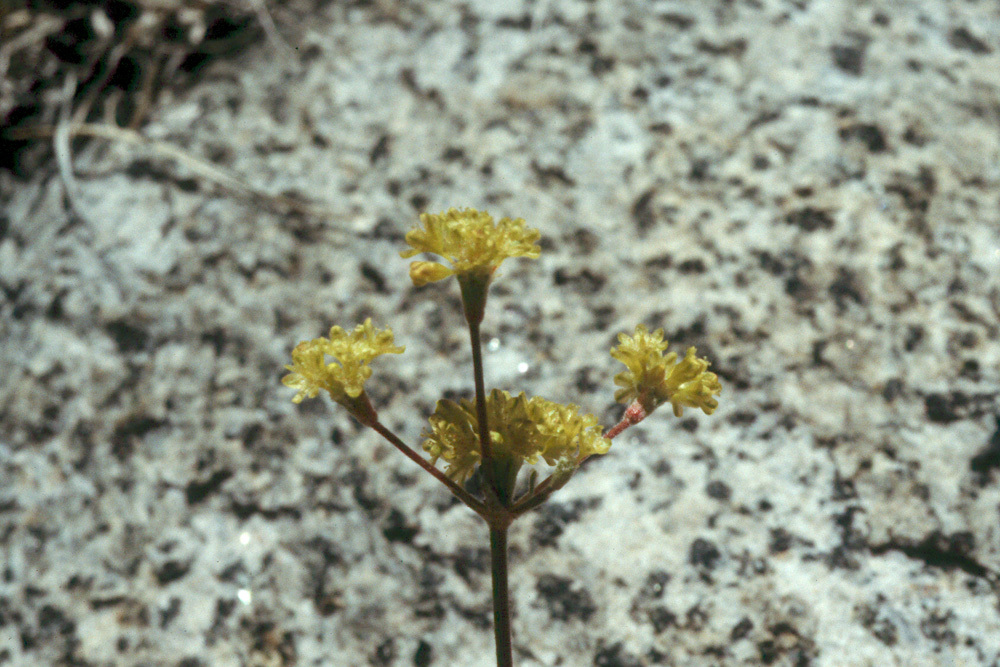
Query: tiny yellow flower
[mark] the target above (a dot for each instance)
(344, 378)
(470, 241)
(522, 430)
(653, 379)
(564, 433)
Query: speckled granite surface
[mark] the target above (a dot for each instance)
(806, 191)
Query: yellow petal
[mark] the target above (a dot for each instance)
(422, 273)
(470, 241)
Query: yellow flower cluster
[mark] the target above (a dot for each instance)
(344, 378)
(470, 241)
(522, 429)
(653, 379)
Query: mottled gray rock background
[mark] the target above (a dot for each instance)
(806, 191)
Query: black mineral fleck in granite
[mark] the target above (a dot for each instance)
(555, 516)
(850, 59)
(718, 490)
(423, 656)
(988, 458)
(661, 617)
(564, 598)
(703, 553)
(616, 656)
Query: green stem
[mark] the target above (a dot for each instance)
(530, 501)
(501, 597)
(477, 370)
(486, 450)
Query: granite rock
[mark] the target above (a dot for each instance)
(805, 191)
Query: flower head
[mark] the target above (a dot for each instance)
(470, 241)
(344, 378)
(522, 430)
(653, 379)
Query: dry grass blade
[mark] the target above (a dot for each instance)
(61, 145)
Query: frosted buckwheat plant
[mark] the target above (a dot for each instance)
(493, 435)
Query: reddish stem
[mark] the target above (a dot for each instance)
(634, 414)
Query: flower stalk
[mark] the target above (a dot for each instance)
(471, 501)
(501, 597)
(482, 416)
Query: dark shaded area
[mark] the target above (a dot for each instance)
(869, 135)
(916, 191)
(948, 552)
(655, 585)
(197, 490)
(396, 529)
(423, 655)
(851, 539)
(385, 654)
(718, 490)
(583, 281)
(321, 555)
(615, 656)
(550, 176)
(703, 553)
(846, 287)
(429, 602)
(735, 48)
(947, 408)
(881, 628)
(470, 562)
(962, 39)
(276, 645)
(380, 150)
(130, 430)
(642, 212)
(809, 219)
(522, 22)
(171, 571)
(788, 644)
(170, 612)
(741, 629)
(662, 618)
(849, 59)
(127, 336)
(781, 541)
(988, 458)
(692, 266)
(374, 278)
(245, 510)
(562, 601)
(149, 48)
(555, 516)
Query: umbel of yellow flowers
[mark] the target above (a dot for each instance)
(344, 377)
(653, 379)
(522, 430)
(471, 242)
